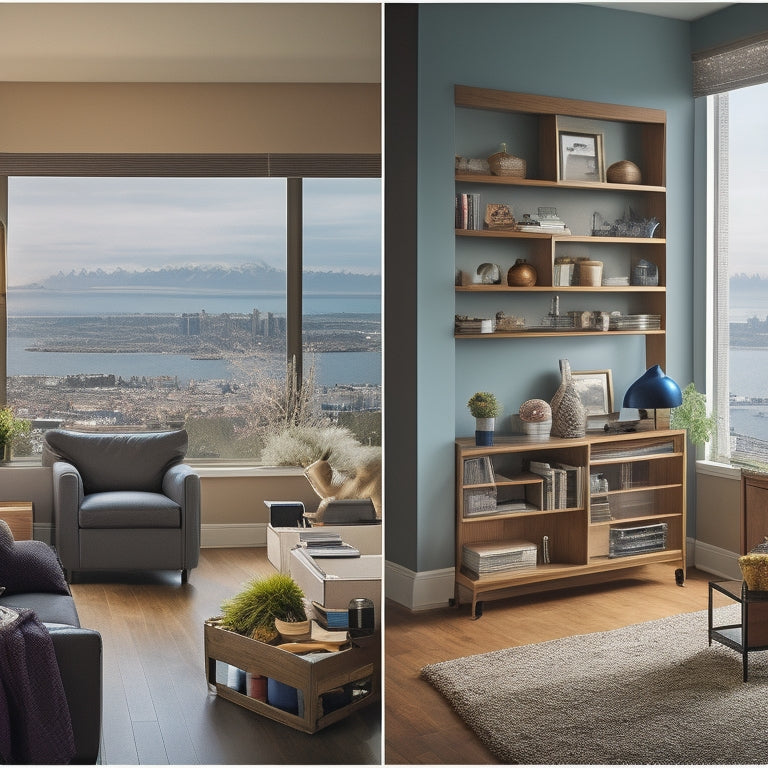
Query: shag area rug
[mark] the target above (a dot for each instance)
(643, 694)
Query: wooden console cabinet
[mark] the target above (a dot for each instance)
(616, 502)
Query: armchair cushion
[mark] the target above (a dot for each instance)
(125, 461)
(29, 566)
(129, 509)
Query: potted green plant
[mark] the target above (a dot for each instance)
(692, 416)
(262, 601)
(11, 428)
(485, 408)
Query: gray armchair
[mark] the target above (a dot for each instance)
(124, 501)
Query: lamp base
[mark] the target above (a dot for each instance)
(653, 419)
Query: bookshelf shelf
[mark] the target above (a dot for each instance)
(534, 125)
(640, 502)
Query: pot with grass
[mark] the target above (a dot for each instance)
(485, 408)
(267, 609)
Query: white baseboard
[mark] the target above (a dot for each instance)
(418, 591)
(717, 561)
(233, 535)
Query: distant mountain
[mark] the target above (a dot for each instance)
(256, 277)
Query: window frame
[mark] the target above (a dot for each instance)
(293, 167)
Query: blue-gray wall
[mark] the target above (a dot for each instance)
(568, 50)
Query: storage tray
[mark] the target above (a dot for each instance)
(314, 679)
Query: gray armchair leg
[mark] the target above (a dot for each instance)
(184, 575)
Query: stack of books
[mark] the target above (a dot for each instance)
(468, 215)
(562, 484)
(319, 543)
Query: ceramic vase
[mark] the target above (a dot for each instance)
(569, 419)
(484, 429)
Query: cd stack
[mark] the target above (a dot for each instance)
(634, 541)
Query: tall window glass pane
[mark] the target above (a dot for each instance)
(342, 302)
(745, 171)
(148, 303)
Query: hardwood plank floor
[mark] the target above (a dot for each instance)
(420, 727)
(157, 706)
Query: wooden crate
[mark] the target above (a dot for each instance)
(18, 515)
(312, 678)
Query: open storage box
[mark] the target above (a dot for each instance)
(315, 680)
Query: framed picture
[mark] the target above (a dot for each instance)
(581, 156)
(595, 390)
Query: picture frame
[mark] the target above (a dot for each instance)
(581, 156)
(595, 389)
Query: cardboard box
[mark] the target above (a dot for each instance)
(315, 680)
(280, 541)
(334, 581)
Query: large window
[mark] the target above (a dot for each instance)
(739, 123)
(160, 302)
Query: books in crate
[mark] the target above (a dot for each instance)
(487, 558)
(635, 541)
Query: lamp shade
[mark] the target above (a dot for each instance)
(653, 390)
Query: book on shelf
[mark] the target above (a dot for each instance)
(545, 471)
(468, 215)
(574, 485)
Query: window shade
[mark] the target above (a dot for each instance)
(737, 65)
(345, 166)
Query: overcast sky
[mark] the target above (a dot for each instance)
(748, 179)
(61, 224)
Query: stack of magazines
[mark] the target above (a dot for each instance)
(484, 558)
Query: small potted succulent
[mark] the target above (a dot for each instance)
(485, 408)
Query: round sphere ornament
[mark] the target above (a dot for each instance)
(522, 274)
(535, 410)
(624, 172)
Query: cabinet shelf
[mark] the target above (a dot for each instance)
(594, 240)
(638, 519)
(478, 178)
(480, 288)
(554, 332)
(636, 489)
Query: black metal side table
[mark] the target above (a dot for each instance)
(751, 634)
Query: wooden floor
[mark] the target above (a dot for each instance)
(420, 727)
(157, 706)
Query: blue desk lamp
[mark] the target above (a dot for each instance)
(654, 390)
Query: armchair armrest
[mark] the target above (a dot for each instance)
(67, 496)
(182, 484)
(78, 653)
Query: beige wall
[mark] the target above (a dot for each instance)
(190, 117)
(718, 511)
(240, 500)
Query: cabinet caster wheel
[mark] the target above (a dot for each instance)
(680, 577)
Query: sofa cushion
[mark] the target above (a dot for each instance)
(129, 509)
(121, 461)
(49, 608)
(29, 566)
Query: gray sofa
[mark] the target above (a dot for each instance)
(124, 501)
(33, 579)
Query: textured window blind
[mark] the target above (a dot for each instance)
(345, 166)
(737, 65)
